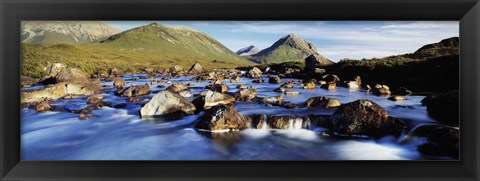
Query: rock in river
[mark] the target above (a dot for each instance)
(166, 102)
(444, 107)
(215, 98)
(323, 102)
(196, 69)
(288, 122)
(119, 83)
(59, 90)
(364, 117)
(43, 106)
(134, 90)
(274, 80)
(381, 90)
(246, 94)
(71, 75)
(254, 73)
(222, 118)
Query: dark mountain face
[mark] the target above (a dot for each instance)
(288, 48)
(447, 46)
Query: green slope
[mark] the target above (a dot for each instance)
(155, 46)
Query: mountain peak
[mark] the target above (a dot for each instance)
(445, 46)
(250, 50)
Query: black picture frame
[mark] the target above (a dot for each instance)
(13, 11)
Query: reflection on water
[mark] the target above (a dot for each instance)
(120, 133)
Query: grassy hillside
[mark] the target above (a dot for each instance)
(154, 46)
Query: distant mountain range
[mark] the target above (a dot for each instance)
(247, 51)
(287, 48)
(64, 32)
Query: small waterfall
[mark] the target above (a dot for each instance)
(295, 123)
(410, 134)
(264, 125)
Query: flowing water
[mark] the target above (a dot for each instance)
(120, 133)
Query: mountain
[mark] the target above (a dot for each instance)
(445, 47)
(250, 50)
(288, 48)
(64, 32)
(151, 46)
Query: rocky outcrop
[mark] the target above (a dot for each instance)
(54, 69)
(323, 102)
(364, 117)
(166, 102)
(444, 107)
(222, 118)
(196, 69)
(313, 61)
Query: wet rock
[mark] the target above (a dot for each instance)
(444, 107)
(196, 69)
(254, 73)
(274, 80)
(367, 87)
(319, 71)
(381, 90)
(352, 85)
(246, 94)
(258, 81)
(241, 87)
(364, 117)
(80, 107)
(175, 69)
(292, 106)
(329, 86)
(309, 85)
(57, 91)
(330, 78)
(274, 100)
(166, 102)
(86, 115)
(71, 75)
(441, 141)
(321, 82)
(161, 86)
(190, 84)
(26, 81)
(219, 88)
(288, 84)
(134, 90)
(177, 87)
(292, 92)
(280, 89)
(93, 99)
(323, 102)
(154, 82)
(288, 122)
(403, 91)
(215, 98)
(235, 79)
(222, 117)
(117, 72)
(43, 106)
(185, 94)
(119, 83)
(397, 98)
(134, 99)
(259, 121)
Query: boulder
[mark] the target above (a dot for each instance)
(71, 75)
(364, 117)
(274, 100)
(43, 106)
(102, 74)
(241, 87)
(329, 86)
(57, 91)
(26, 81)
(219, 88)
(309, 85)
(292, 106)
(288, 122)
(444, 107)
(403, 91)
(292, 92)
(215, 98)
(254, 73)
(166, 102)
(381, 90)
(397, 98)
(246, 94)
(134, 99)
(54, 69)
(134, 90)
(289, 84)
(93, 99)
(234, 79)
(119, 83)
(323, 102)
(259, 121)
(441, 141)
(221, 118)
(116, 72)
(352, 84)
(196, 69)
(274, 80)
(330, 78)
(86, 115)
(177, 87)
(319, 71)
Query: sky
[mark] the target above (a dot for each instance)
(335, 40)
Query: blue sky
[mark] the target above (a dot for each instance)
(334, 39)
